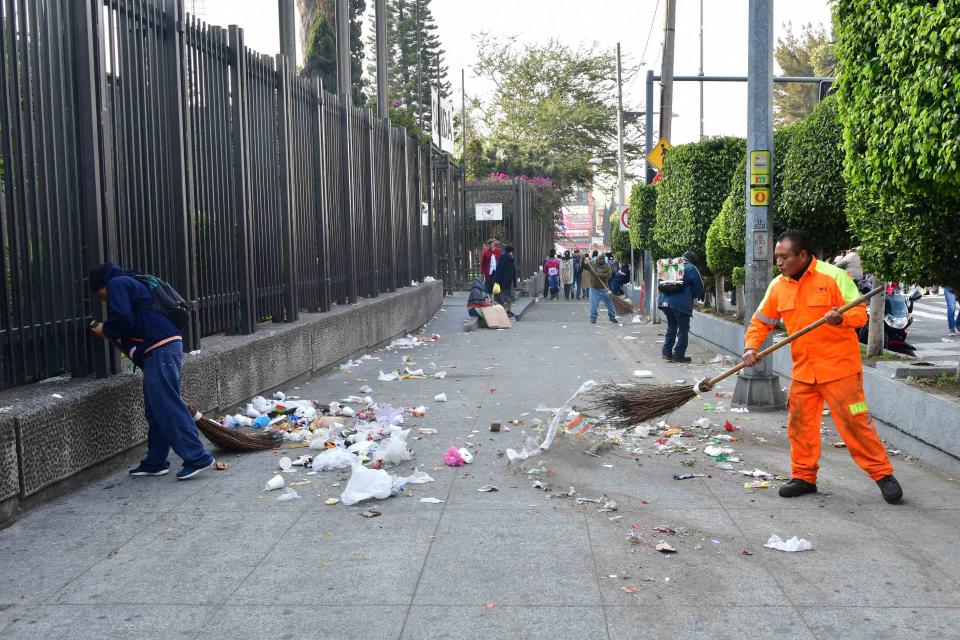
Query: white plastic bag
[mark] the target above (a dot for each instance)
(365, 484)
(418, 477)
(794, 544)
(393, 450)
(331, 459)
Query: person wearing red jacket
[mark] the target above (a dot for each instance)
(826, 364)
(488, 262)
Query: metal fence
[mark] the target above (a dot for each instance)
(131, 132)
(531, 239)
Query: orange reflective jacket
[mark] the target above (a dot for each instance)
(828, 352)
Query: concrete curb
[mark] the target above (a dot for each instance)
(931, 422)
(52, 432)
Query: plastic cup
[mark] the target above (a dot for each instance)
(285, 463)
(276, 482)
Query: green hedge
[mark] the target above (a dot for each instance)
(643, 215)
(722, 258)
(812, 194)
(898, 88)
(695, 182)
(619, 240)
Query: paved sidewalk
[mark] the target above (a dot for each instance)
(217, 558)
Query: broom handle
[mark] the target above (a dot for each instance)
(706, 385)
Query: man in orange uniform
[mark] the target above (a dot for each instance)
(826, 364)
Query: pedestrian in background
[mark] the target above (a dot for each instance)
(953, 313)
(488, 263)
(826, 365)
(152, 342)
(566, 273)
(620, 277)
(551, 267)
(678, 308)
(577, 272)
(599, 274)
(505, 276)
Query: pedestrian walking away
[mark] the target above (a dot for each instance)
(826, 364)
(151, 340)
(566, 274)
(677, 306)
(577, 273)
(599, 273)
(551, 268)
(953, 312)
(505, 276)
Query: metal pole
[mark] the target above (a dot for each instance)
(651, 284)
(759, 387)
(383, 69)
(701, 69)
(288, 31)
(344, 81)
(666, 82)
(463, 113)
(620, 181)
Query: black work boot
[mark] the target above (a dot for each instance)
(797, 487)
(890, 489)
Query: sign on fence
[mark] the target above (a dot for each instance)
(424, 214)
(487, 211)
(441, 122)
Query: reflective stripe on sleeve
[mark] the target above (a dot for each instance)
(764, 319)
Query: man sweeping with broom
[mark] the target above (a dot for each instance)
(826, 364)
(152, 342)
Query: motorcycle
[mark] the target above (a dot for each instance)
(897, 317)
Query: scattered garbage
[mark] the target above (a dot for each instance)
(495, 427)
(487, 488)
(756, 484)
(642, 373)
(688, 476)
(366, 483)
(331, 501)
(370, 513)
(452, 457)
(440, 397)
(431, 500)
(276, 482)
(794, 544)
(664, 547)
(290, 494)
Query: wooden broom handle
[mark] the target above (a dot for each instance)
(708, 384)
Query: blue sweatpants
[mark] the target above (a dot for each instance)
(171, 426)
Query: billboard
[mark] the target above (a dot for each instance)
(576, 221)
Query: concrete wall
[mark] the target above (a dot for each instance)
(46, 440)
(927, 420)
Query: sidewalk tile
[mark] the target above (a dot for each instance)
(564, 621)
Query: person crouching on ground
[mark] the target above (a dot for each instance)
(599, 273)
(678, 308)
(505, 276)
(154, 344)
(826, 364)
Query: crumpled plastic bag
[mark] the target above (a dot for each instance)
(418, 477)
(793, 544)
(386, 413)
(388, 377)
(452, 457)
(332, 459)
(366, 483)
(514, 455)
(393, 450)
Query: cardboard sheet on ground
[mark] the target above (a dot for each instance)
(495, 317)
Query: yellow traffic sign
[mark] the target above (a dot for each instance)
(655, 157)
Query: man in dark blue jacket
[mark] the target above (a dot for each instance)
(678, 308)
(505, 276)
(153, 343)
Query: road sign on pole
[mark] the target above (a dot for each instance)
(655, 157)
(625, 219)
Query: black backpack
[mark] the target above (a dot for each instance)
(167, 301)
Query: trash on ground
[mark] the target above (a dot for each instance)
(370, 513)
(331, 501)
(452, 457)
(431, 500)
(495, 427)
(793, 544)
(290, 494)
(487, 488)
(840, 445)
(688, 476)
(664, 547)
(221, 466)
(642, 373)
(756, 484)
(366, 483)
(276, 482)
(440, 397)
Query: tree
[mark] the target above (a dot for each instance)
(643, 215)
(554, 105)
(619, 240)
(695, 183)
(809, 54)
(320, 57)
(898, 82)
(812, 196)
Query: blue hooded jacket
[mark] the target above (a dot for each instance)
(131, 318)
(682, 301)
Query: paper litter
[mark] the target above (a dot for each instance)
(793, 544)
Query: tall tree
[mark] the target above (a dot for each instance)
(320, 57)
(553, 105)
(808, 54)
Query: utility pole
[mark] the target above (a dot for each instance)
(383, 70)
(419, 68)
(288, 32)
(701, 69)
(666, 75)
(463, 113)
(650, 282)
(758, 387)
(621, 187)
(344, 81)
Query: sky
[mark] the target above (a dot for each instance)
(585, 21)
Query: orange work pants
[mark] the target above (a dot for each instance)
(848, 405)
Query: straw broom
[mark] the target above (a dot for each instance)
(642, 403)
(621, 306)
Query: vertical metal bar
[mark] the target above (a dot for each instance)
(388, 212)
(347, 204)
(321, 186)
(371, 211)
(285, 108)
(243, 254)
